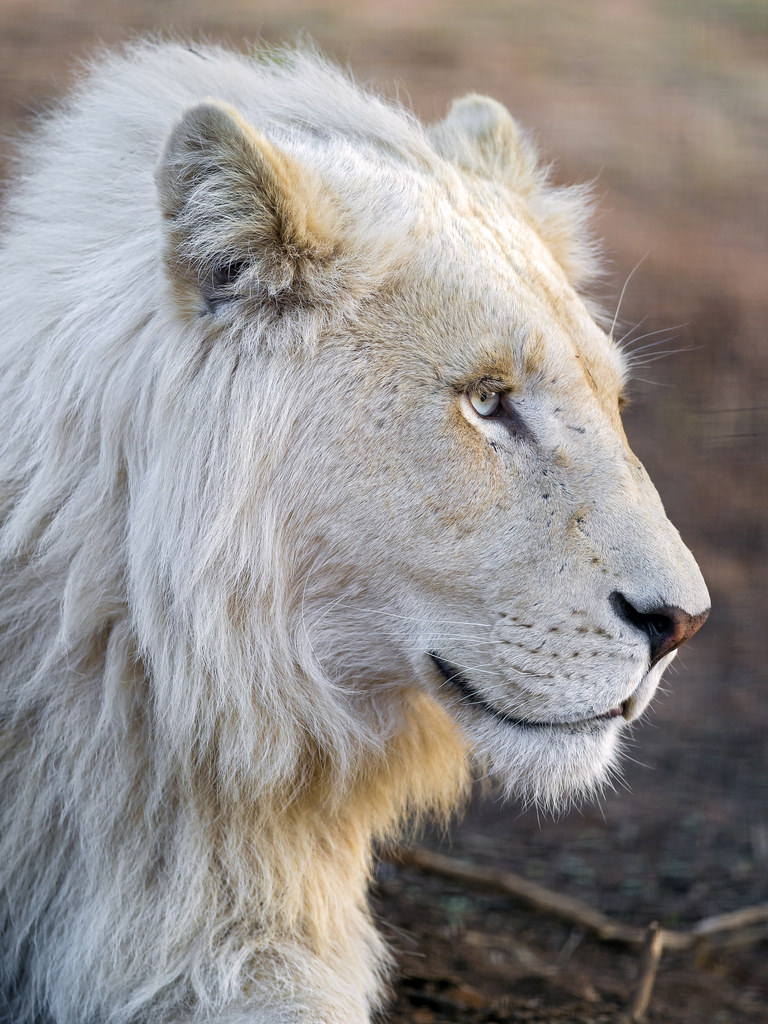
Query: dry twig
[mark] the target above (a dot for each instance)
(568, 908)
(652, 940)
(649, 962)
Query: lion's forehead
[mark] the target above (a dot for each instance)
(471, 289)
(488, 300)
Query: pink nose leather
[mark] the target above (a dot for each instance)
(666, 626)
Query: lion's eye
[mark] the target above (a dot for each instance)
(484, 401)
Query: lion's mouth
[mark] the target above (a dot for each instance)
(454, 677)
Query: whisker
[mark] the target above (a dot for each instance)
(422, 621)
(658, 383)
(468, 638)
(631, 345)
(656, 356)
(631, 354)
(623, 290)
(625, 337)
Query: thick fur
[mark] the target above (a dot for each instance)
(244, 495)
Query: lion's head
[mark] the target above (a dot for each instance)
(440, 449)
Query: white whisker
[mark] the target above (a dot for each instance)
(630, 346)
(623, 290)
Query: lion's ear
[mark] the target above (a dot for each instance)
(243, 217)
(481, 136)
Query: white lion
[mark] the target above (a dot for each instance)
(313, 493)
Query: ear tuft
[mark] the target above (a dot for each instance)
(243, 216)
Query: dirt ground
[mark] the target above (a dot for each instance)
(664, 104)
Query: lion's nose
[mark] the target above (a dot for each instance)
(666, 627)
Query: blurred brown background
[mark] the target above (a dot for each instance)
(664, 103)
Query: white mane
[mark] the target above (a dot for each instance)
(95, 603)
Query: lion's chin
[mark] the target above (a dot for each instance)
(550, 767)
(551, 764)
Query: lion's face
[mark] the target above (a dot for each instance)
(510, 551)
(446, 458)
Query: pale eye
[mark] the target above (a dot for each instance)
(484, 401)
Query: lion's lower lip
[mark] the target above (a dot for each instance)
(451, 674)
(616, 712)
